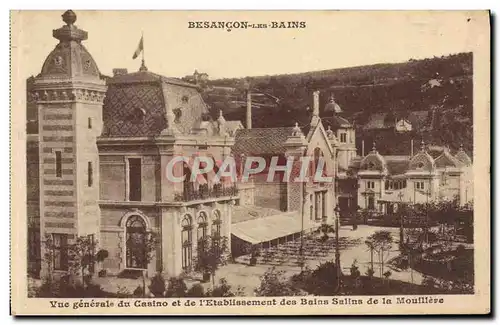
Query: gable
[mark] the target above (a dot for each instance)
(446, 160)
(317, 138)
(422, 162)
(373, 161)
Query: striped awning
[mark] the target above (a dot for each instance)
(265, 229)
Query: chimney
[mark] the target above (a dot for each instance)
(119, 72)
(315, 113)
(249, 109)
(316, 103)
(362, 148)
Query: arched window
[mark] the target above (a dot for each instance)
(216, 228)
(135, 229)
(311, 207)
(187, 242)
(188, 184)
(318, 154)
(202, 229)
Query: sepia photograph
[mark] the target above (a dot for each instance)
(331, 162)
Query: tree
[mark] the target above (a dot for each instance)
(273, 283)
(148, 246)
(382, 243)
(212, 253)
(81, 256)
(371, 248)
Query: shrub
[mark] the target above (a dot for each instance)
(101, 255)
(68, 287)
(158, 285)
(323, 280)
(176, 288)
(196, 290)
(370, 272)
(273, 283)
(138, 292)
(223, 289)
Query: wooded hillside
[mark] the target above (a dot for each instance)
(441, 86)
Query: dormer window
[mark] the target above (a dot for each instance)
(137, 115)
(420, 165)
(343, 137)
(177, 114)
(371, 165)
(185, 99)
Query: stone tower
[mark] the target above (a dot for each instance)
(69, 95)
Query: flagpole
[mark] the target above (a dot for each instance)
(142, 37)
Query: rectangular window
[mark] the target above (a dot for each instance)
(421, 185)
(134, 177)
(90, 179)
(60, 256)
(371, 202)
(343, 137)
(58, 164)
(90, 123)
(370, 184)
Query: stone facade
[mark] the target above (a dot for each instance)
(97, 155)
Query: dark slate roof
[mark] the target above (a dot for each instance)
(397, 165)
(463, 157)
(147, 76)
(134, 110)
(135, 104)
(447, 160)
(337, 122)
(261, 141)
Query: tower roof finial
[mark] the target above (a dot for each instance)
(296, 130)
(69, 32)
(69, 17)
(422, 145)
(374, 147)
(143, 66)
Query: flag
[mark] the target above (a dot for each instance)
(140, 48)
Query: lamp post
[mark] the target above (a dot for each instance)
(401, 216)
(337, 248)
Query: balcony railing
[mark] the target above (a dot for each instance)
(204, 192)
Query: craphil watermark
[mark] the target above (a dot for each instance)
(182, 168)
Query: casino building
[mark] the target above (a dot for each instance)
(97, 149)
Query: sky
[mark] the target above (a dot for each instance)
(330, 40)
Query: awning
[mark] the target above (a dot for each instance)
(408, 197)
(265, 229)
(395, 196)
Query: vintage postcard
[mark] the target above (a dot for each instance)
(250, 163)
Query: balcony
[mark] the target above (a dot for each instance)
(204, 192)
